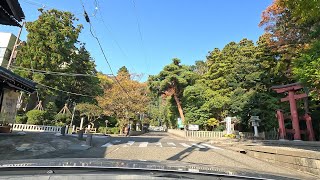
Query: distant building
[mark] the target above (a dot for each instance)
(6, 46)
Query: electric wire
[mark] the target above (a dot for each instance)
(103, 53)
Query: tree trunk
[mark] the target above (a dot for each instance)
(179, 107)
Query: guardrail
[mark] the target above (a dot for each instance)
(35, 128)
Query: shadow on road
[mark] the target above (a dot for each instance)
(185, 153)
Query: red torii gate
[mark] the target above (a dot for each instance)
(292, 97)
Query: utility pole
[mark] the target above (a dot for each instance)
(15, 46)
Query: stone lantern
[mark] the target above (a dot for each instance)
(255, 123)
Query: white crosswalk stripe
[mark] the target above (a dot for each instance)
(199, 146)
(107, 145)
(171, 143)
(185, 145)
(212, 147)
(159, 144)
(130, 143)
(143, 144)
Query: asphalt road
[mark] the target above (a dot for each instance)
(153, 146)
(160, 146)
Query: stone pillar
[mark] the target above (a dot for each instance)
(294, 115)
(256, 133)
(310, 131)
(228, 125)
(282, 129)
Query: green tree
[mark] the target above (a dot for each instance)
(123, 71)
(50, 45)
(36, 117)
(91, 111)
(124, 101)
(307, 69)
(171, 81)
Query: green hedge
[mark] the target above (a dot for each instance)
(36, 117)
(110, 130)
(21, 119)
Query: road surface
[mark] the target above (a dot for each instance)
(160, 146)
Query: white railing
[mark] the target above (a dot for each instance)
(157, 128)
(221, 134)
(205, 134)
(35, 128)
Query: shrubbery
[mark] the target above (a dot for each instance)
(36, 117)
(21, 119)
(110, 130)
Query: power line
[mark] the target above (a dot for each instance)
(53, 72)
(108, 28)
(104, 55)
(140, 34)
(42, 5)
(77, 94)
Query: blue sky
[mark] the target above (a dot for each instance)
(186, 29)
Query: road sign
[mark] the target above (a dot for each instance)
(193, 127)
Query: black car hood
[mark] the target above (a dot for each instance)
(163, 166)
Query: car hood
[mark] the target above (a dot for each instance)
(163, 166)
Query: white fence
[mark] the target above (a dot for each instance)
(157, 128)
(221, 134)
(35, 128)
(205, 134)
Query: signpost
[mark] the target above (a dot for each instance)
(193, 127)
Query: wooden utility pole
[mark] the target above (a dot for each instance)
(15, 46)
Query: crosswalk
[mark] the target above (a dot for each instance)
(160, 144)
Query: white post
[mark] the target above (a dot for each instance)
(66, 130)
(73, 128)
(81, 123)
(228, 125)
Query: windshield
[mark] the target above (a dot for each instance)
(220, 86)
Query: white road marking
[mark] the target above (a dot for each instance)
(143, 144)
(212, 147)
(107, 145)
(129, 143)
(199, 146)
(159, 144)
(116, 141)
(185, 145)
(171, 143)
